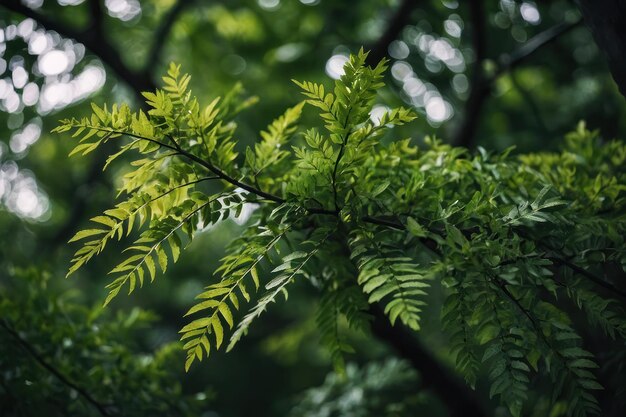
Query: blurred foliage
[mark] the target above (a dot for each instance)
(59, 357)
(46, 75)
(389, 388)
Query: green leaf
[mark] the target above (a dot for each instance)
(196, 324)
(202, 306)
(415, 228)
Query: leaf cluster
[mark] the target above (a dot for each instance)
(504, 238)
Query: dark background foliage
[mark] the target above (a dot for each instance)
(479, 73)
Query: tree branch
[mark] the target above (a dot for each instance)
(344, 142)
(397, 22)
(605, 19)
(98, 45)
(178, 150)
(383, 222)
(162, 33)
(95, 41)
(481, 86)
(95, 12)
(41, 361)
(453, 393)
(511, 61)
(555, 259)
(432, 245)
(590, 276)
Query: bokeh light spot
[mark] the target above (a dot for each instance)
(334, 66)
(53, 63)
(530, 13)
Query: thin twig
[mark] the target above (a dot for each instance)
(457, 397)
(590, 276)
(510, 61)
(501, 285)
(429, 243)
(566, 262)
(481, 86)
(200, 161)
(560, 261)
(39, 359)
(536, 327)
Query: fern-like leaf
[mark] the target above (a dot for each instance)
(222, 299)
(387, 275)
(292, 265)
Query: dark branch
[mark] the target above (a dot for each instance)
(162, 32)
(94, 40)
(510, 61)
(481, 86)
(99, 46)
(96, 17)
(344, 142)
(590, 276)
(551, 255)
(454, 394)
(224, 175)
(178, 150)
(397, 22)
(383, 222)
(18, 7)
(428, 243)
(41, 361)
(605, 19)
(502, 286)
(432, 245)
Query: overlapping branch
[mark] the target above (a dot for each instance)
(402, 342)
(481, 86)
